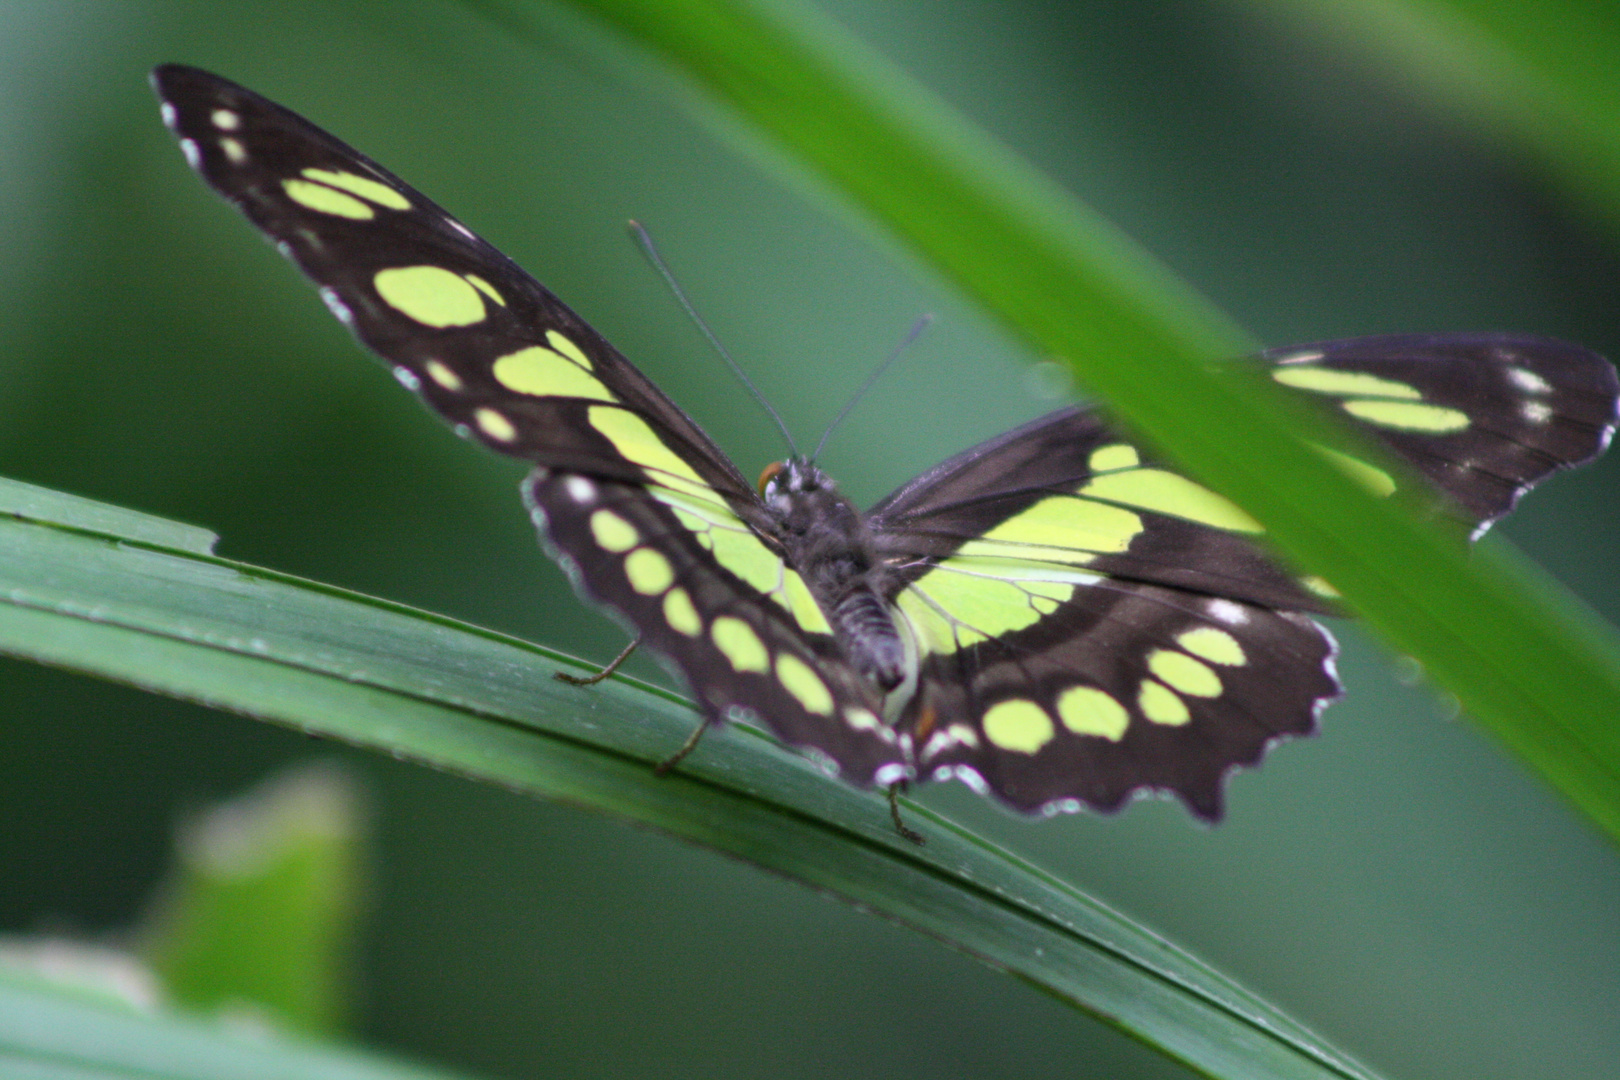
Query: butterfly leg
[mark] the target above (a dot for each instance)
(894, 813)
(592, 680)
(686, 748)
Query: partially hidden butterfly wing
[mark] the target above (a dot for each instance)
(1485, 416)
(1093, 624)
(652, 521)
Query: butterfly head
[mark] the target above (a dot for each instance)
(781, 480)
(805, 499)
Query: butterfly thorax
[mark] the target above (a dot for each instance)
(827, 541)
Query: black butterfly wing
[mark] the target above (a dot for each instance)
(1484, 416)
(651, 519)
(480, 340)
(1091, 624)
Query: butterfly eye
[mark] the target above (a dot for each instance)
(772, 471)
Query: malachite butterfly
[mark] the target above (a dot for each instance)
(1051, 616)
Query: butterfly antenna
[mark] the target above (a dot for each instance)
(650, 250)
(916, 331)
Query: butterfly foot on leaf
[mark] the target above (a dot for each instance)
(592, 680)
(895, 791)
(686, 748)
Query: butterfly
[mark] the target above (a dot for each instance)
(1052, 616)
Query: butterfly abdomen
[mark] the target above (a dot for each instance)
(862, 623)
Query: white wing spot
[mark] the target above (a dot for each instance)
(235, 152)
(167, 112)
(1228, 612)
(1301, 358)
(1536, 412)
(889, 774)
(1528, 381)
(407, 378)
(336, 306)
(580, 490)
(225, 119)
(193, 156)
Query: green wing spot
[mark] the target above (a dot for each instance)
(1214, 645)
(1374, 479)
(1085, 710)
(1320, 586)
(801, 605)
(988, 607)
(486, 288)
(1020, 726)
(1161, 705)
(325, 200)
(1062, 529)
(565, 345)
(635, 439)
(1405, 416)
(1170, 493)
(431, 295)
(740, 552)
(1181, 672)
(1114, 456)
(649, 572)
(612, 532)
(803, 683)
(495, 425)
(540, 372)
(680, 613)
(363, 186)
(1346, 383)
(442, 375)
(931, 630)
(741, 646)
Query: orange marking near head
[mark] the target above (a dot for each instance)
(770, 473)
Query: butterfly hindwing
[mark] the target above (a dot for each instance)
(753, 647)
(1123, 687)
(1090, 624)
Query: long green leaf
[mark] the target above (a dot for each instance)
(1540, 674)
(1540, 76)
(423, 687)
(48, 1032)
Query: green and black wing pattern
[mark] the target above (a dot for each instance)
(1093, 624)
(1080, 624)
(652, 521)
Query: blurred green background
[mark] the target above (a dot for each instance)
(1398, 883)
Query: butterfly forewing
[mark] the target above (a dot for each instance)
(1485, 417)
(1080, 622)
(508, 363)
(482, 342)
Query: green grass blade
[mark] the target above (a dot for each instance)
(1539, 76)
(1545, 681)
(49, 1032)
(259, 914)
(423, 687)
